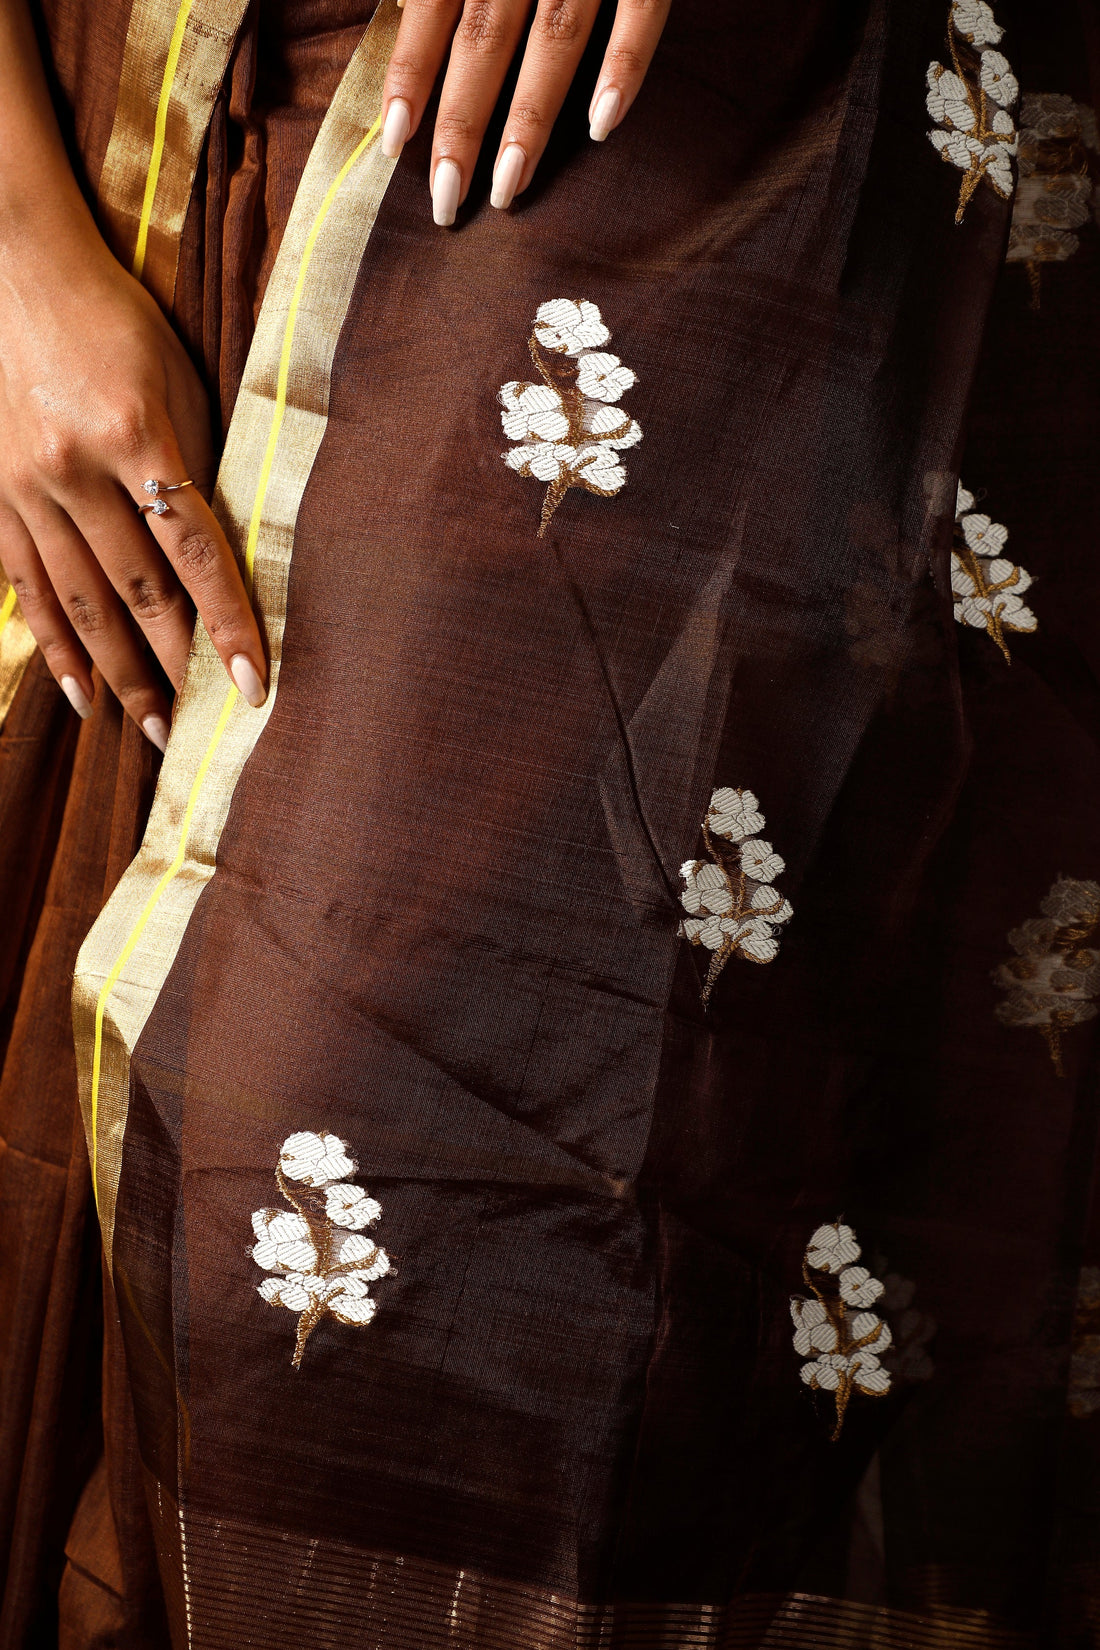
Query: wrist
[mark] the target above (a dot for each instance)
(46, 241)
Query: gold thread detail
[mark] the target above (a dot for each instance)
(288, 339)
(278, 414)
(160, 127)
(17, 646)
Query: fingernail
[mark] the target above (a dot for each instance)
(445, 192)
(396, 127)
(605, 112)
(246, 678)
(76, 696)
(506, 175)
(156, 729)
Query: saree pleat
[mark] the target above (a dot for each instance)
(422, 916)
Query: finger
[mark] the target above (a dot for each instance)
(418, 53)
(634, 36)
(99, 619)
(555, 46)
(39, 605)
(481, 54)
(191, 538)
(140, 574)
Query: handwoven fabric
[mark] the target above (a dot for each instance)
(441, 972)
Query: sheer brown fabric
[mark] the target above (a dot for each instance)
(444, 921)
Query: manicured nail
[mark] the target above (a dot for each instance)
(155, 728)
(445, 192)
(605, 112)
(244, 674)
(506, 175)
(396, 127)
(76, 696)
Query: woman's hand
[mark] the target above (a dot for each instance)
(97, 396)
(482, 37)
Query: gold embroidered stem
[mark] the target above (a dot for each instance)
(985, 591)
(1052, 1037)
(554, 495)
(837, 1315)
(307, 1323)
(560, 377)
(1034, 281)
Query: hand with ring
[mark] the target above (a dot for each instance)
(479, 39)
(99, 403)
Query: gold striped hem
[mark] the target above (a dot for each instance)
(275, 1586)
(16, 647)
(277, 427)
(153, 152)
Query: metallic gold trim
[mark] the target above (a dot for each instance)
(267, 1585)
(16, 647)
(149, 169)
(276, 430)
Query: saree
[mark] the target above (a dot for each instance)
(590, 1093)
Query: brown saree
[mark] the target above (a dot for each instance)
(464, 1114)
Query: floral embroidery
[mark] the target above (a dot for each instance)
(841, 1341)
(568, 429)
(730, 902)
(970, 103)
(1054, 977)
(321, 1261)
(1055, 193)
(986, 585)
(1083, 1397)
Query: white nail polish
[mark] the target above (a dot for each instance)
(605, 112)
(76, 696)
(246, 679)
(506, 176)
(155, 728)
(446, 189)
(396, 127)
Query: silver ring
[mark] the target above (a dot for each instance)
(160, 506)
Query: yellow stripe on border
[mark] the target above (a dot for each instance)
(255, 522)
(160, 127)
(7, 607)
(288, 339)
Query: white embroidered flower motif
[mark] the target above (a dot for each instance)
(569, 429)
(1055, 194)
(975, 22)
(843, 1345)
(832, 1248)
(970, 103)
(986, 586)
(320, 1261)
(1054, 979)
(730, 903)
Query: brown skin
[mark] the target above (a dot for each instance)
(97, 394)
(477, 40)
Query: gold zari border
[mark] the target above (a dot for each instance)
(173, 66)
(247, 1582)
(16, 647)
(277, 427)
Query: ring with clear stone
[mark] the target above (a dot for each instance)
(160, 506)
